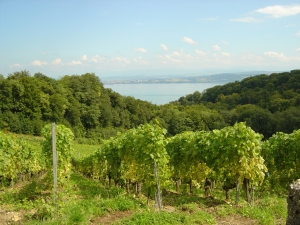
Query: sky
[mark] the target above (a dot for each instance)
(148, 38)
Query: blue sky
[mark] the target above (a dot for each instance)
(128, 38)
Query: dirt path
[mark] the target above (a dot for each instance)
(235, 220)
(10, 217)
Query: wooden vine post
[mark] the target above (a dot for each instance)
(237, 190)
(157, 193)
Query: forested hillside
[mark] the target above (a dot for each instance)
(267, 103)
(28, 102)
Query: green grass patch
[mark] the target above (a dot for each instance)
(163, 218)
(83, 150)
(151, 217)
(82, 200)
(270, 209)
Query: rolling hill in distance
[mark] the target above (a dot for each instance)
(221, 78)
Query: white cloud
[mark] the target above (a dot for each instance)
(225, 42)
(57, 62)
(189, 40)
(216, 47)
(164, 47)
(277, 11)
(298, 33)
(140, 50)
(121, 59)
(84, 57)
(200, 52)
(73, 63)
(179, 57)
(140, 61)
(249, 19)
(16, 65)
(97, 59)
(225, 53)
(275, 55)
(171, 59)
(298, 50)
(38, 63)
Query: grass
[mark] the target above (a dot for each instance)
(80, 150)
(269, 210)
(83, 150)
(86, 201)
(76, 204)
(83, 201)
(152, 217)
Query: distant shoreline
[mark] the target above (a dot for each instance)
(222, 78)
(154, 82)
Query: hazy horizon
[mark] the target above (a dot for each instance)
(157, 38)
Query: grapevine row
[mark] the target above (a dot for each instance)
(234, 154)
(18, 158)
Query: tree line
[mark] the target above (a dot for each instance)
(267, 103)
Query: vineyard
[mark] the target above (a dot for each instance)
(185, 175)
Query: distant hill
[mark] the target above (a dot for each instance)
(221, 78)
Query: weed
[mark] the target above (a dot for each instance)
(225, 210)
(191, 207)
(158, 218)
(82, 200)
(201, 217)
(76, 214)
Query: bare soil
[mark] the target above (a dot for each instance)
(11, 217)
(235, 220)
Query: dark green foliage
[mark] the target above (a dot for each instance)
(260, 120)
(259, 90)
(289, 120)
(81, 103)
(267, 103)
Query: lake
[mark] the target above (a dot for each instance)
(159, 93)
